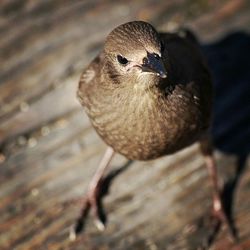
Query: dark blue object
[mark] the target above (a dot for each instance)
(229, 62)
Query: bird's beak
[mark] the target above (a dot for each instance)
(155, 65)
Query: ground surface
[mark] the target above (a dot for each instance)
(49, 152)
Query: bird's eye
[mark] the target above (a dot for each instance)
(122, 60)
(156, 56)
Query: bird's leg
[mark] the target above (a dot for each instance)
(218, 208)
(219, 213)
(217, 201)
(92, 198)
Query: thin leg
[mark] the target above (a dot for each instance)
(91, 200)
(212, 171)
(218, 208)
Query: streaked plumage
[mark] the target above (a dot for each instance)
(143, 116)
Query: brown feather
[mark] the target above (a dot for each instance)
(144, 117)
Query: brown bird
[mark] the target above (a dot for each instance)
(148, 94)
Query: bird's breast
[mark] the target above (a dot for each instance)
(146, 126)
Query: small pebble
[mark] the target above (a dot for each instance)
(32, 142)
(24, 106)
(62, 123)
(34, 192)
(45, 130)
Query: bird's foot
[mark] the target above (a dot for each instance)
(220, 215)
(207, 227)
(92, 202)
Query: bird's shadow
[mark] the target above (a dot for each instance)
(106, 183)
(229, 62)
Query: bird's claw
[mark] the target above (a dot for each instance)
(92, 202)
(100, 224)
(219, 213)
(72, 234)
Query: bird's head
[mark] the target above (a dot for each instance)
(133, 51)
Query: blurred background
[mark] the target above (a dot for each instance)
(49, 151)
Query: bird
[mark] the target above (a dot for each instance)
(148, 94)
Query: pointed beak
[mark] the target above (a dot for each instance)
(153, 63)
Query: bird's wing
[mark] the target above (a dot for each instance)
(89, 79)
(183, 49)
(189, 66)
